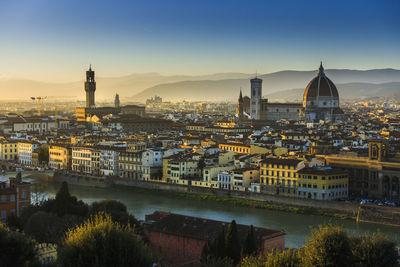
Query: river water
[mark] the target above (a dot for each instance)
(141, 202)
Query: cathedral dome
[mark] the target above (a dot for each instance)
(321, 91)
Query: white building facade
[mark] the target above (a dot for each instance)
(25, 150)
(225, 180)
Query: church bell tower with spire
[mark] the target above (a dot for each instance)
(239, 108)
(90, 88)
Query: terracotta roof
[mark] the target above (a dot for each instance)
(282, 161)
(321, 171)
(320, 86)
(199, 228)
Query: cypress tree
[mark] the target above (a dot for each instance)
(220, 244)
(205, 253)
(63, 201)
(232, 243)
(63, 194)
(250, 244)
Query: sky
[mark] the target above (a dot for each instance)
(56, 41)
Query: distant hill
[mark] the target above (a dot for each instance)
(277, 85)
(107, 87)
(220, 86)
(346, 91)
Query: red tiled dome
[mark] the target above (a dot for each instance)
(320, 86)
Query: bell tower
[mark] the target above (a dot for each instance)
(377, 150)
(256, 94)
(116, 101)
(90, 88)
(239, 107)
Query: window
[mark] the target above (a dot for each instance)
(3, 214)
(188, 241)
(3, 198)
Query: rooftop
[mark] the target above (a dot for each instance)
(199, 228)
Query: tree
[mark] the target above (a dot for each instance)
(102, 242)
(218, 262)
(232, 243)
(43, 153)
(253, 261)
(116, 210)
(220, 244)
(328, 246)
(206, 252)
(201, 164)
(286, 258)
(16, 249)
(64, 203)
(48, 227)
(250, 243)
(215, 248)
(14, 222)
(331, 246)
(376, 250)
(63, 193)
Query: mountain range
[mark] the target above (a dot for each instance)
(282, 85)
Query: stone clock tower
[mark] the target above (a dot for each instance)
(90, 88)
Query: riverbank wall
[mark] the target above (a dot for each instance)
(339, 209)
(348, 208)
(83, 180)
(379, 214)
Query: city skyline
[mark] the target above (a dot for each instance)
(56, 41)
(199, 133)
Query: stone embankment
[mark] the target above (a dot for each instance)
(340, 209)
(84, 180)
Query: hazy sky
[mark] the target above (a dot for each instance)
(55, 40)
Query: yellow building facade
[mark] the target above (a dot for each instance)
(240, 148)
(60, 157)
(323, 183)
(8, 150)
(279, 176)
(179, 167)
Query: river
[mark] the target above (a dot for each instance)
(141, 202)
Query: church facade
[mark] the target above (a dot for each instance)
(320, 102)
(261, 109)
